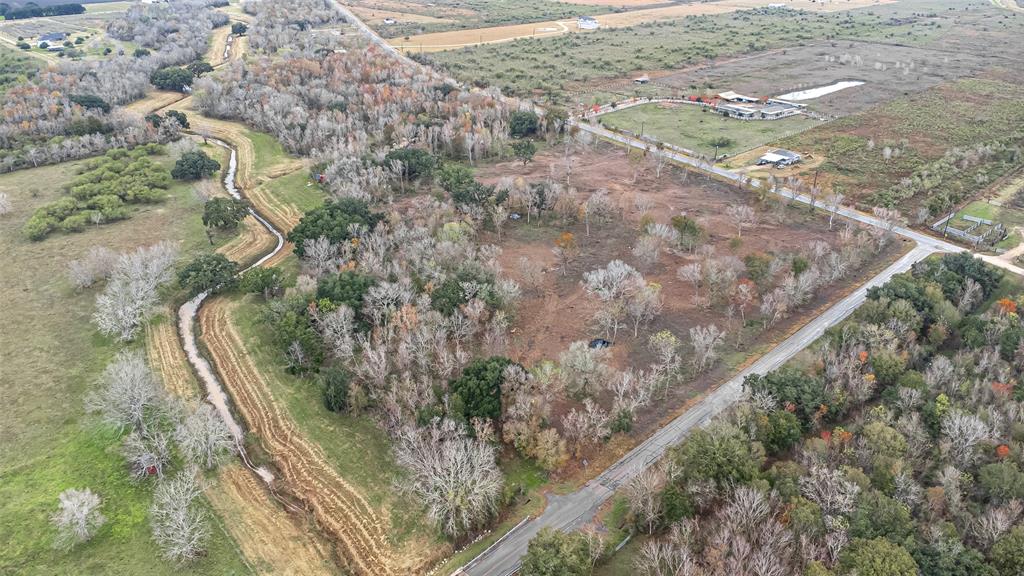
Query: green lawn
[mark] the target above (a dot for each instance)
(292, 189)
(698, 128)
(51, 357)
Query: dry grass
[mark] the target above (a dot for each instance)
(374, 16)
(614, 3)
(341, 511)
(273, 541)
(459, 38)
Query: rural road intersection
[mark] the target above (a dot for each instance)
(572, 511)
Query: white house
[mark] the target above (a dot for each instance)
(587, 23)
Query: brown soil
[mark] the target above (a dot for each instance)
(340, 510)
(558, 312)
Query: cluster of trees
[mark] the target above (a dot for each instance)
(131, 282)
(164, 441)
(103, 192)
(352, 107)
(386, 318)
(68, 112)
(895, 452)
(947, 181)
(33, 10)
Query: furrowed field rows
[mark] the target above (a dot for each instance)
(273, 541)
(339, 509)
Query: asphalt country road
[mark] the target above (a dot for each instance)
(572, 511)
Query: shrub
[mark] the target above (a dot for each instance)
(194, 165)
(522, 124)
(335, 382)
(477, 392)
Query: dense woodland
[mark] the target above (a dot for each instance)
(893, 449)
(71, 112)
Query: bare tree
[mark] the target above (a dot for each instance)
(970, 294)
(499, 216)
(583, 370)
(742, 215)
(98, 264)
(964, 432)
(147, 453)
(78, 518)
(598, 209)
(179, 524)
(644, 496)
(319, 256)
(705, 341)
(829, 489)
(692, 272)
(834, 202)
(130, 295)
(457, 477)
(204, 438)
(587, 426)
(643, 305)
(128, 390)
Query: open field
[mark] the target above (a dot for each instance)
(570, 69)
(420, 17)
(918, 130)
(50, 362)
(498, 34)
(698, 129)
(888, 72)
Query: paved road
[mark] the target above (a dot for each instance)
(372, 35)
(574, 510)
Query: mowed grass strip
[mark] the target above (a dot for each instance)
(51, 357)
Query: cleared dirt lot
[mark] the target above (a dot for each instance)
(459, 38)
(558, 311)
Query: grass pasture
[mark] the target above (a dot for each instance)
(15, 67)
(52, 356)
(569, 67)
(918, 130)
(415, 17)
(697, 128)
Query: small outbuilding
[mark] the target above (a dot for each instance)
(51, 38)
(779, 158)
(587, 23)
